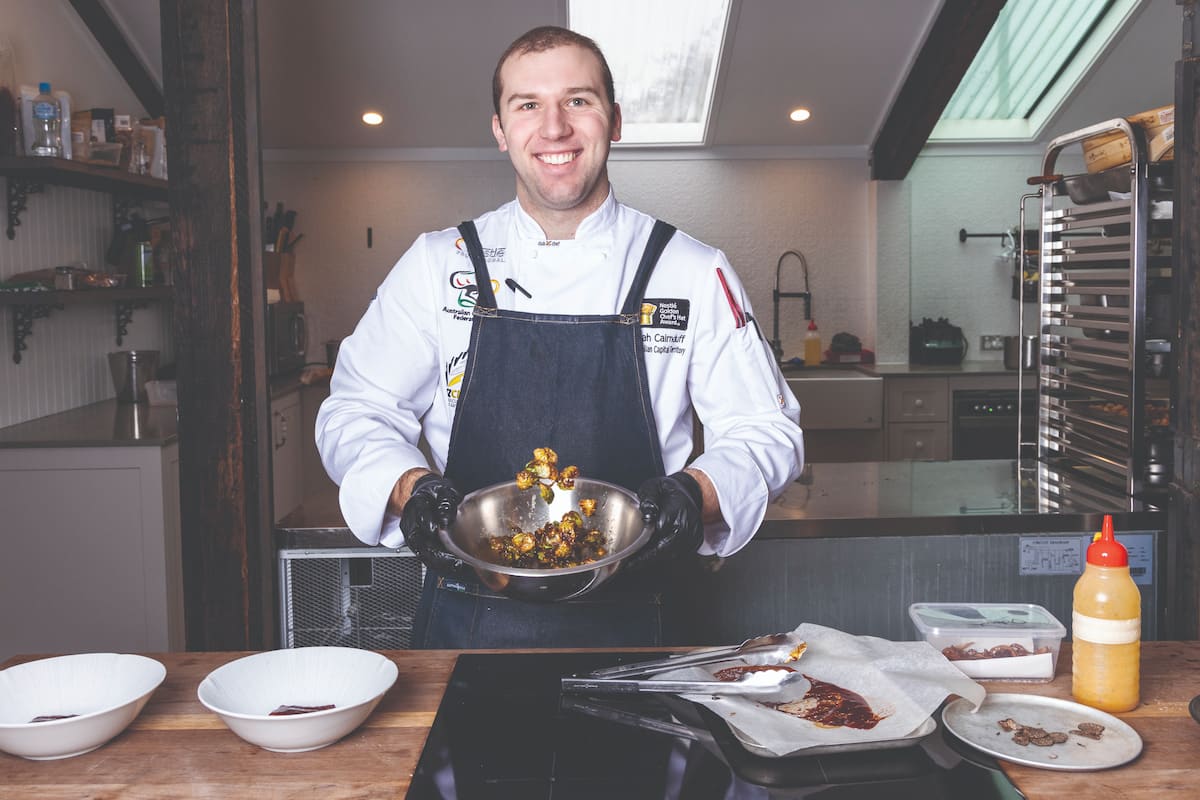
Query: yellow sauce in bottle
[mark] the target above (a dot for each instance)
(1106, 629)
(812, 346)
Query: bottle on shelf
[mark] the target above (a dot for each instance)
(1106, 627)
(47, 123)
(812, 345)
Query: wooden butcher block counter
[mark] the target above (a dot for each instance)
(177, 749)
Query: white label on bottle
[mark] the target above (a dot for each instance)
(1105, 631)
(44, 110)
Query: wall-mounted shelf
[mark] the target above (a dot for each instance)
(28, 306)
(26, 175)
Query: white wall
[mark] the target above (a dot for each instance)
(754, 210)
(65, 363)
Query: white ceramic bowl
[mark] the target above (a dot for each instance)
(243, 693)
(104, 690)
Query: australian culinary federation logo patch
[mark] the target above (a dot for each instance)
(669, 315)
(465, 294)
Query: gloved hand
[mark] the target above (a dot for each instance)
(432, 504)
(674, 505)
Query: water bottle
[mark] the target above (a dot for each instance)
(47, 123)
(1106, 625)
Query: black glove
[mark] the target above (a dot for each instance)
(674, 505)
(433, 504)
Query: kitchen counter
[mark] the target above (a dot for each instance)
(177, 749)
(907, 370)
(885, 498)
(104, 424)
(112, 424)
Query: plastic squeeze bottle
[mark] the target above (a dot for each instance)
(1106, 627)
(812, 345)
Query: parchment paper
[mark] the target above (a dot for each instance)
(907, 681)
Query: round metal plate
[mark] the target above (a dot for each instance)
(1119, 744)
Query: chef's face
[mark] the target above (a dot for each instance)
(556, 124)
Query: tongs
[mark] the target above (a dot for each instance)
(768, 682)
(775, 648)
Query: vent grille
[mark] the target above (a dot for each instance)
(366, 600)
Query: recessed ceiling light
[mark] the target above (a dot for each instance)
(372, 118)
(799, 114)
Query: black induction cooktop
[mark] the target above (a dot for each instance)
(505, 730)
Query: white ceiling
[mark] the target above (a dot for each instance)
(427, 66)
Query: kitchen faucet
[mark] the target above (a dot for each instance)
(806, 295)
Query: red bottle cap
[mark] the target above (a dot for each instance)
(812, 324)
(1105, 550)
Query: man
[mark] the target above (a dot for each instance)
(567, 320)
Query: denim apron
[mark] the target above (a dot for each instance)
(574, 383)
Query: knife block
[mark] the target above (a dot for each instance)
(279, 271)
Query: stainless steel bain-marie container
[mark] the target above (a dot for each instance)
(504, 509)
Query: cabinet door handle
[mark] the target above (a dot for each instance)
(282, 431)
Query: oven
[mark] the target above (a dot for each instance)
(985, 421)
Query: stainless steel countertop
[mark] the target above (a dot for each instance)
(104, 424)
(112, 424)
(891, 498)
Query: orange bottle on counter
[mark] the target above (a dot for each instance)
(812, 345)
(1106, 628)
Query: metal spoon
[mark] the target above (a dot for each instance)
(775, 648)
(764, 682)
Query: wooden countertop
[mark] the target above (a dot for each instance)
(177, 749)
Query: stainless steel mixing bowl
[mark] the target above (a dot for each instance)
(503, 509)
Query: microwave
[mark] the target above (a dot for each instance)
(287, 338)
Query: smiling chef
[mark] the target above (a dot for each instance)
(562, 319)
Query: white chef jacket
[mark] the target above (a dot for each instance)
(398, 375)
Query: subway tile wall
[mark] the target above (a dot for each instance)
(65, 362)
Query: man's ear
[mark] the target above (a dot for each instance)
(498, 132)
(616, 131)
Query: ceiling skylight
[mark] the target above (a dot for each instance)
(664, 57)
(1030, 63)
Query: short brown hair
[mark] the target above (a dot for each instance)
(548, 37)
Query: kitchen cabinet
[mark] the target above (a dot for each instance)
(917, 419)
(918, 408)
(287, 458)
(841, 413)
(91, 545)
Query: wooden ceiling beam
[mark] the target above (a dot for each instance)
(956, 36)
(110, 38)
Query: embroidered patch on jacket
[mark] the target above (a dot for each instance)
(666, 312)
(492, 255)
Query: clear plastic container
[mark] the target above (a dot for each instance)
(993, 641)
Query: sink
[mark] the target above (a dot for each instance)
(837, 398)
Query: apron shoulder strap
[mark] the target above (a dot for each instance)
(660, 234)
(485, 297)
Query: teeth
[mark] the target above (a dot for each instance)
(557, 158)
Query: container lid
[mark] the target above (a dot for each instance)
(1105, 550)
(812, 324)
(44, 88)
(935, 618)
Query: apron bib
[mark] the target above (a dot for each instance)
(577, 384)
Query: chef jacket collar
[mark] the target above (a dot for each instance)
(599, 221)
